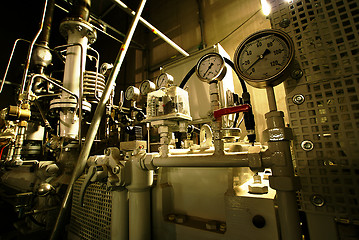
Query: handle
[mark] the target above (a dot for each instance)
(225, 111)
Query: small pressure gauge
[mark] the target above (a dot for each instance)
(264, 58)
(146, 87)
(164, 80)
(132, 93)
(211, 67)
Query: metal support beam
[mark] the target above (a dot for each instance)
(152, 28)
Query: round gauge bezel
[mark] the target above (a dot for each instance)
(135, 94)
(168, 81)
(152, 87)
(271, 80)
(220, 75)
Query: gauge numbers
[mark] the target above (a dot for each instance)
(211, 67)
(264, 57)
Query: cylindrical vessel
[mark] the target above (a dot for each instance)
(119, 215)
(77, 33)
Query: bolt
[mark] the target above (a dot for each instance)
(223, 227)
(79, 28)
(317, 200)
(307, 145)
(296, 74)
(117, 170)
(211, 225)
(171, 217)
(180, 218)
(284, 23)
(298, 99)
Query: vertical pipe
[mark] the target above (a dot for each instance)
(140, 218)
(271, 98)
(119, 215)
(45, 34)
(217, 123)
(74, 68)
(139, 201)
(92, 131)
(288, 215)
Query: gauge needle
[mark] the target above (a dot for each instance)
(259, 58)
(208, 69)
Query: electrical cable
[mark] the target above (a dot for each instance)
(240, 25)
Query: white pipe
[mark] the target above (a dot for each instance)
(202, 160)
(139, 201)
(119, 215)
(140, 219)
(74, 68)
(153, 29)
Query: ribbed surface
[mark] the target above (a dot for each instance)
(92, 221)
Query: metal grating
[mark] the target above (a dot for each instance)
(93, 221)
(326, 37)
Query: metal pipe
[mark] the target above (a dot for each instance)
(119, 215)
(92, 131)
(45, 34)
(139, 201)
(80, 97)
(288, 215)
(152, 28)
(202, 160)
(10, 59)
(30, 50)
(140, 215)
(57, 85)
(107, 26)
(271, 99)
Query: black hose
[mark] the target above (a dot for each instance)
(243, 84)
(228, 61)
(186, 78)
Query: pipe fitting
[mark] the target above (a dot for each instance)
(147, 162)
(284, 183)
(277, 134)
(254, 157)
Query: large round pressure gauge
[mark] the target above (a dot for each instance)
(211, 67)
(264, 58)
(132, 93)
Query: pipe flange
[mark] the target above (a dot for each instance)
(69, 103)
(78, 25)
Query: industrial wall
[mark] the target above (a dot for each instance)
(193, 24)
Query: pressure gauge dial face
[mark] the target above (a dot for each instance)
(164, 80)
(211, 67)
(146, 87)
(132, 93)
(264, 58)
